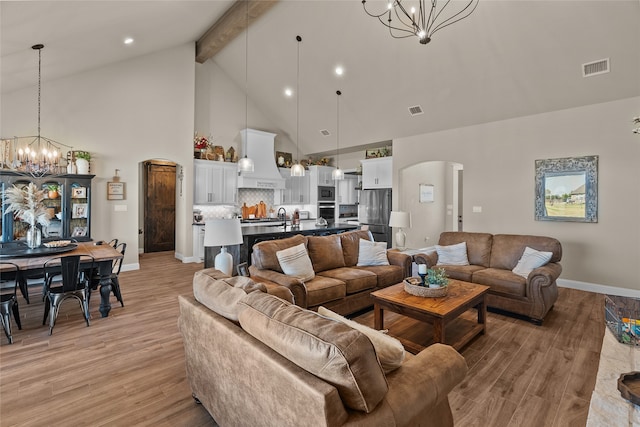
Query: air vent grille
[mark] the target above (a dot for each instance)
(596, 67)
(416, 110)
(325, 132)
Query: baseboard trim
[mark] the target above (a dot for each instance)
(130, 267)
(597, 288)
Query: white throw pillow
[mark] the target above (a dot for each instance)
(453, 254)
(389, 350)
(295, 261)
(530, 260)
(372, 253)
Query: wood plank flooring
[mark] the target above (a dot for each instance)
(128, 369)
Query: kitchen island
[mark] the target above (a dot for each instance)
(260, 233)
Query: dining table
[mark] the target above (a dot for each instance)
(32, 260)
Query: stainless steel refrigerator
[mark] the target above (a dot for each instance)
(374, 210)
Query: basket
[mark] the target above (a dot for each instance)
(423, 291)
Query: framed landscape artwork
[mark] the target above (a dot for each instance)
(567, 189)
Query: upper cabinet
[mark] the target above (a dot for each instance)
(215, 182)
(377, 173)
(296, 189)
(67, 201)
(347, 190)
(321, 176)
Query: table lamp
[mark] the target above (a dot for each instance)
(223, 233)
(401, 220)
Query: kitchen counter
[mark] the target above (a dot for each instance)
(259, 233)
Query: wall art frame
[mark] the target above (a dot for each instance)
(566, 189)
(425, 193)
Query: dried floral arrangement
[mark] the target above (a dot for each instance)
(26, 203)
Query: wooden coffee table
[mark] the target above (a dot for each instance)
(436, 311)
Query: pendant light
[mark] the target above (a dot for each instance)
(297, 169)
(337, 174)
(245, 164)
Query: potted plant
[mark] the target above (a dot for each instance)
(82, 162)
(53, 191)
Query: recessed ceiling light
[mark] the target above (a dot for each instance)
(288, 92)
(128, 40)
(339, 70)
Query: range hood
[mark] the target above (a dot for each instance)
(260, 147)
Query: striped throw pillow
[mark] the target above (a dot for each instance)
(530, 260)
(295, 261)
(452, 254)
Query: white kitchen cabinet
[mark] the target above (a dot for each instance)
(296, 189)
(347, 193)
(377, 173)
(215, 182)
(198, 242)
(321, 175)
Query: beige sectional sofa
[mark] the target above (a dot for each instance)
(491, 261)
(281, 365)
(339, 283)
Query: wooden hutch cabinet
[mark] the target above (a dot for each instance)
(70, 211)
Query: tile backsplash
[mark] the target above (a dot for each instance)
(253, 196)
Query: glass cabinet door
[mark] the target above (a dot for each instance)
(78, 208)
(53, 197)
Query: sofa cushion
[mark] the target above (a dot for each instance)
(508, 248)
(351, 245)
(501, 281)
(478, 245)
(294, 261)
(333, 351)
(356, 280)
(461, 272)
(389, 350)
(324, 289)
(264, 253)
(221, 293)
(530, 260)
(387, 275)
(452, 254)
(325, 252)
(372, 253)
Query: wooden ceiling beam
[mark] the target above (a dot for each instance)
(232, 23)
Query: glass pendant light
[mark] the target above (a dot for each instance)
(245, 164)
(337, 174)
(297, 169)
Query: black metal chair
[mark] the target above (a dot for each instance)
(115, 272)
(113, 243)
(66, 277)
(9, 273)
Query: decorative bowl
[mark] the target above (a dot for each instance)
(411, 287)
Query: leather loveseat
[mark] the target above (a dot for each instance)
(257, 370)
(339, 283)
(491, 261)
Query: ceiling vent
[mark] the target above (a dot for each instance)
(325, 132)
(596, 67)
(416, 110)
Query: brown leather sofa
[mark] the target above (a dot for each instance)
(491, 259)
(242, 381)
(339, 284)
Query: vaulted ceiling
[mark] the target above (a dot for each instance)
(508, 59)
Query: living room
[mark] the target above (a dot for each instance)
(146, 106)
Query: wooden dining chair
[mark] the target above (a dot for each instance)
(9, 273)
(66, 277)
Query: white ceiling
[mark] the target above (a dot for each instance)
(508, 59)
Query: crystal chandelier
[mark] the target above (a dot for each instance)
(35, 156)
(404, 19)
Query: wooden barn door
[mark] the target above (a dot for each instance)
(159, 206)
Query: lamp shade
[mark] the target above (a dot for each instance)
(399, 219)
(222, 232)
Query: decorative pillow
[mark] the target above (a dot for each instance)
(325, 252)
(295, 262)
(372, 253)
(453, 254)
(330, 350)
(389, 350)
(220, 293)
(530, 260)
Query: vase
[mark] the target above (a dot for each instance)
(82, 166)
(34, 237)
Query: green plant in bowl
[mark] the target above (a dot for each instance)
(83, 155)
(436, 276)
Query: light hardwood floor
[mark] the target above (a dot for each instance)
(128, 369)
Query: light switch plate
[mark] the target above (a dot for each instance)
(120, 208)
(477, 209)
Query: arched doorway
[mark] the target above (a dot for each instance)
(158, 205)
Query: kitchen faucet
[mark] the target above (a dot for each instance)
(283, 216)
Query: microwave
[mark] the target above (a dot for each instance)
(326, 194)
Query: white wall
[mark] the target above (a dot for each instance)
(123, 114)
(498, 161)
